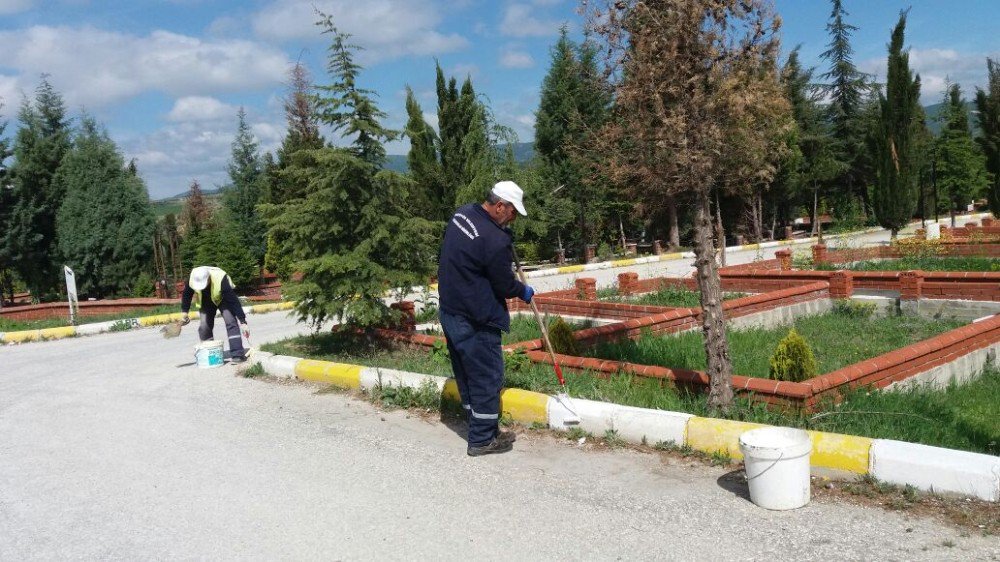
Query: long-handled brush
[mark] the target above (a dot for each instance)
(572, 417)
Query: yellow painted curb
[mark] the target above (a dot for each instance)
(750, 247)
(570, 269)
(841, 452)
(711, 435)
(337, 374)
(673, 256)
(623, 263)
(43, 334)
(161, 319)
(525, 406)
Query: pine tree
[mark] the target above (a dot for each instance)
(574, 103)
(6, 202)
(895, 194)
(988, 104)
(39, 147)
(961, 168)
(105, 224)
(701, 76)
(303, 134)
(847, 88)
(195, 213)
(348, 109)
(351, 236)
(245, 190)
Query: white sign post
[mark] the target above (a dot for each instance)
(74, 304)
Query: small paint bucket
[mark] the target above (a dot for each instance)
(208, 354)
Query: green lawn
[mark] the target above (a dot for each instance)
(837, 340)
(18, 325)
(921, 263)
(676, 297)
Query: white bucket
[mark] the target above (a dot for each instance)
(933, 231)
(777, 466)
(208, 354)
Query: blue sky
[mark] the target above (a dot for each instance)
(166, 77)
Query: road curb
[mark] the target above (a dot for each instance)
(934, 469)
(124, 324)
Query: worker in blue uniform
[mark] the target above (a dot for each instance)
(475, 279)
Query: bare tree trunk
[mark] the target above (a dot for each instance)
(621, 232)
(720, 370)
(674, 235)
(815, 217)
(758, 217)
(720, 232)
(774, 221)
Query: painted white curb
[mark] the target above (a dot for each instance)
(936, 469)
(278, 365)
(372, 377)
(636, 425)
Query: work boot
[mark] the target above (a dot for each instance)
(493, 447)
(237, 359)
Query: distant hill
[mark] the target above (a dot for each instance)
(523, 153)
(933, 113)
(184, 195)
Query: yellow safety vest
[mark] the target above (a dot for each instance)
(215, 277)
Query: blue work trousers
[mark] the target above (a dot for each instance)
(477, 361)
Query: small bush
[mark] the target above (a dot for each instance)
(853, 309)
(561, 337)
(793, 359)
(144, 286)
(516, 361)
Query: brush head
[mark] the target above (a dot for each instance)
(172, 330)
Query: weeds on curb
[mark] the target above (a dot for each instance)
(613, 440)
(255, 370)
(425, 397)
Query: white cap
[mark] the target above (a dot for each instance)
(511, 192)
(199, 278)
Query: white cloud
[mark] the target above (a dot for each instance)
(385, 28)
(516, 58)
(10, 96)
(518, 21)
(170, 157)
(938, 67)
(92, 67)
(15, 6)
(200, 108)
(461, 70)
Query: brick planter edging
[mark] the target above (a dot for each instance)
(928, 468)
(61, 332)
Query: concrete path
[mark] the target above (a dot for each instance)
(115, 447)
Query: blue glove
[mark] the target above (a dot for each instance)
(528, 293)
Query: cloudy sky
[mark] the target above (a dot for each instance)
(167, 76)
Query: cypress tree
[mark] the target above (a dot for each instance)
(988, 104)
(302, 133)
(961, 171)
(352, 236)
(6, 202)
(105, 224)
(425, 169)
(29, 242)
(245, 190)
(894, 136)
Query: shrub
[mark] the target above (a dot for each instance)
(853, 309)
(793, 359)
(143, 286)
(561, 337)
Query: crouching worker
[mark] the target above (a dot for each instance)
(212, 290)
(474, 280)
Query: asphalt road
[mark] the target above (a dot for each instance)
(116, 447)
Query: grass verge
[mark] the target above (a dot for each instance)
(674, 297)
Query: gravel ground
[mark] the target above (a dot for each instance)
(115, 447)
